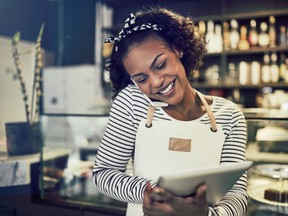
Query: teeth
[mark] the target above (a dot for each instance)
(169, 87)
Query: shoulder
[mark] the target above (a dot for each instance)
(131, 100)
(226, 108)
(129, 95)
(220, 103)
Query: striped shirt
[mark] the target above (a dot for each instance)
(117, 148)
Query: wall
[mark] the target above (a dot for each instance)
(69, 27)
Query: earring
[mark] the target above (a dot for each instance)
(181, 55)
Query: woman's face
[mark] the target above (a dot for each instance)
(157, 71)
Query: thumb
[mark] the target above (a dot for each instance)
(160, 195)
(201, 194)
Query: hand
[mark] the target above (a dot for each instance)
(159, 202)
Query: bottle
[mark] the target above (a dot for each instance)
(282, 36)
(253, 35)
(237, 98)
(209, 37)
(272, 32)
(255, 73)
(218, 40)
(226, 36)
(232, 74)
(243, 43)
(286, 73)
(263, 38)
(265, 69)
(234, 34)
(202, 27)
(244, 73)
(282, 68)
(274, 68)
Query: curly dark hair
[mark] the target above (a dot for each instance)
(178, 32)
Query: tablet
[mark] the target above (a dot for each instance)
(219, 179)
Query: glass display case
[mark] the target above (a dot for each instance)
(67, 181)
(267, 131)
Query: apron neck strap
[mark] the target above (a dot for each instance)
(150, 113)
(209, 112)
(151, 110)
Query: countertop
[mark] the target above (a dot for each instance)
(15, 170)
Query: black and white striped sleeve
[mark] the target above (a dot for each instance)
(115, 150)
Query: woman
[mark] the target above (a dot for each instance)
(152, 59)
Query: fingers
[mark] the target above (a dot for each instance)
(201, 194)
(147, 194)
(160, 195)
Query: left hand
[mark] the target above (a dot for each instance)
(159, 202)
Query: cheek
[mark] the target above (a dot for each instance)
(145, 89)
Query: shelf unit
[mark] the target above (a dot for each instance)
(222, 59)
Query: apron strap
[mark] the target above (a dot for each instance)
(151, 110)
(150, 114)
(209, 112)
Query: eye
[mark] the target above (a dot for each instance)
(161, 65)
(142, 79)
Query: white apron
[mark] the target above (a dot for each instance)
(167, 146)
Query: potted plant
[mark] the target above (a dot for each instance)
(24, 137)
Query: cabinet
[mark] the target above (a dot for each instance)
(267, 135)
(267, 146)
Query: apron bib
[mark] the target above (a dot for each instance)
(167, 146)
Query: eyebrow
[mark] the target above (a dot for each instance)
(154, 61)
(151, 66)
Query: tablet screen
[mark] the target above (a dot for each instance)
(219, 179)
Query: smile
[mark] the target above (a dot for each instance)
(167, 89)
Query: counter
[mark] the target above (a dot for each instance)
(15, 170)
(253, 153)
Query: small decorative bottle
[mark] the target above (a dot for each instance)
(272, 32)
(202, 27)
(234, 34)
(255, 72)
(218, 40)
(282, 68)
(265, 69)
(209, 37)
(282, 36)
(263, 39)
(226, 36)
(274, 69)
(243, 43)
(253, 35)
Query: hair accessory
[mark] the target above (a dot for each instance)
(128, 28)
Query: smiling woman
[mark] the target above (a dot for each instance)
(152, 59)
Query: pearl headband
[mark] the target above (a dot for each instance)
(128, 28)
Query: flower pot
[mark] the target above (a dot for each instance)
(22, 138)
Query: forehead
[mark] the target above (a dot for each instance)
(144, 53)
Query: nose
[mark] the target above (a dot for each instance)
(156, 80)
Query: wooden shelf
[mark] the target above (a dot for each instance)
(238, 86)
(244, 16)
(254, 50)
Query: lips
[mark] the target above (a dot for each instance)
(167, 89)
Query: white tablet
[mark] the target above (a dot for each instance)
(219, 179)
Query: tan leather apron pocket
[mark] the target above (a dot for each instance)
(178, 144)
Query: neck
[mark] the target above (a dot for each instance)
(189, 109)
